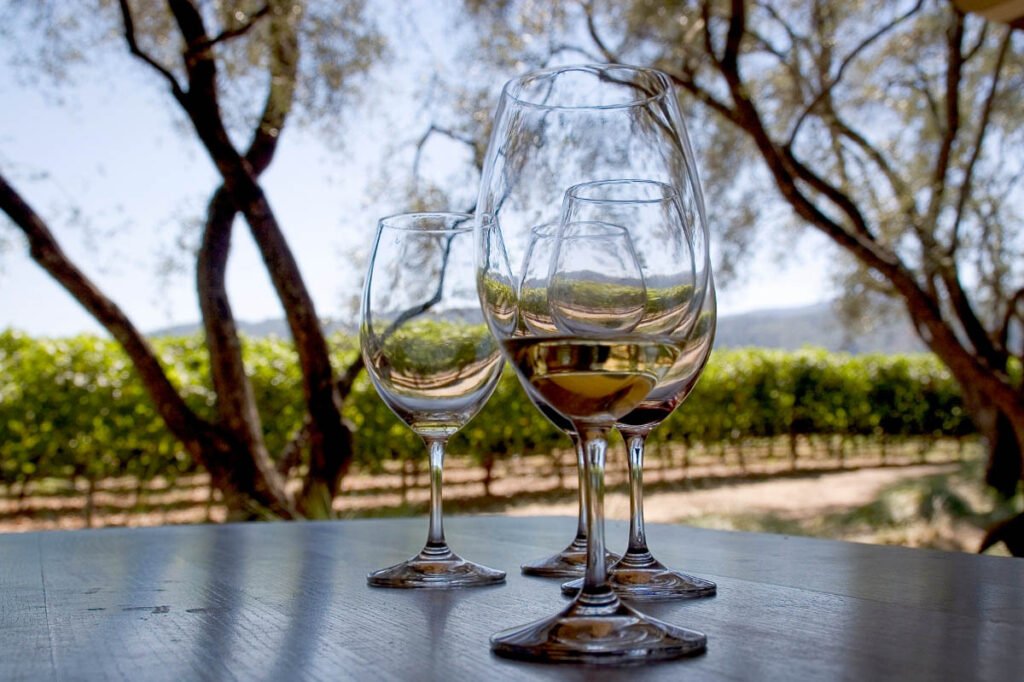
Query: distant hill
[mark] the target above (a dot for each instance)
(786, 329)
(815, 325)
(261, 329)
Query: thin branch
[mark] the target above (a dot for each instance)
(690, 85)
(1014, 309)
(826, 90)
(709, 45)
(979, 140)
(897, 184)
(592, 29)
(951, 125)
(133, 47)
(982, 34)
(565, 47)
(238, 31)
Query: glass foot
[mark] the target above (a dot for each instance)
(641, 577)
(437, 568)
(601, 631)
(569, 563)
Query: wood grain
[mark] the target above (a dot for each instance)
(289, 601)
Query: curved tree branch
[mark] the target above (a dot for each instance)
(133, 47)
(827, 88)
(45, 250)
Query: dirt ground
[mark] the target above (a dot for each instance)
(803, 505)
(865, 498)
(806, 497)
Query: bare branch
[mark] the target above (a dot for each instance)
(690, 85)
(955, 35)
(709, 45)
(1014, 309)
(592, 29)
(240, 30)
(45, 250)
(133, 47)
(979, 140)
(897, 184)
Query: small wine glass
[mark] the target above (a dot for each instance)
(571, 561)
(656, 219)
(432, 360)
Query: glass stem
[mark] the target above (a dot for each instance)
(435, 536)
(637, 535)
(581, 515)
(595, 580)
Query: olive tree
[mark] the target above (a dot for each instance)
(299, 58)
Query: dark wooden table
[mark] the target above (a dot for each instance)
(289, 601)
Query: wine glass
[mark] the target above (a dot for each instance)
(432, 360)
(592, 369)
(655, 218)
(554, 129)
(638, 575)
(570, 562)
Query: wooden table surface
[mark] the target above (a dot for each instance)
(285, 601)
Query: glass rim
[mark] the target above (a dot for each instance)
(669, 192)
(659, 76)
(557, 229)
(407, 221)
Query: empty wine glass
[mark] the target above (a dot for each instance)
(668, 239)
(432, 360)
(656, 219)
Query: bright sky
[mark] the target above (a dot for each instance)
(119, 180)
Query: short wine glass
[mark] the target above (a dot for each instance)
(571, 561)
(432, 360)
(638, 575)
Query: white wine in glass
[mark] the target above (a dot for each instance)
(554, 129)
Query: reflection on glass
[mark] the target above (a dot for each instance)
(432, 360)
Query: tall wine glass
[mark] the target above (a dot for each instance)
(571, 561)
(655, 217)
(592, 368)
(432, 360)
(554, 129)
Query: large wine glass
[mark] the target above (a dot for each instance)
(432, 360)
(554, 129)
(654, 216)
(571, 561)
(592, 368)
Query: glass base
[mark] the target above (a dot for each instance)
(598, 629)
(639, 576)
(437, 568)
(571, 562)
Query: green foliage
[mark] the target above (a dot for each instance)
(74, 407)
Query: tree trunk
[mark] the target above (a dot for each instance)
(1004, 469)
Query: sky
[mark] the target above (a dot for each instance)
(122, 182)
